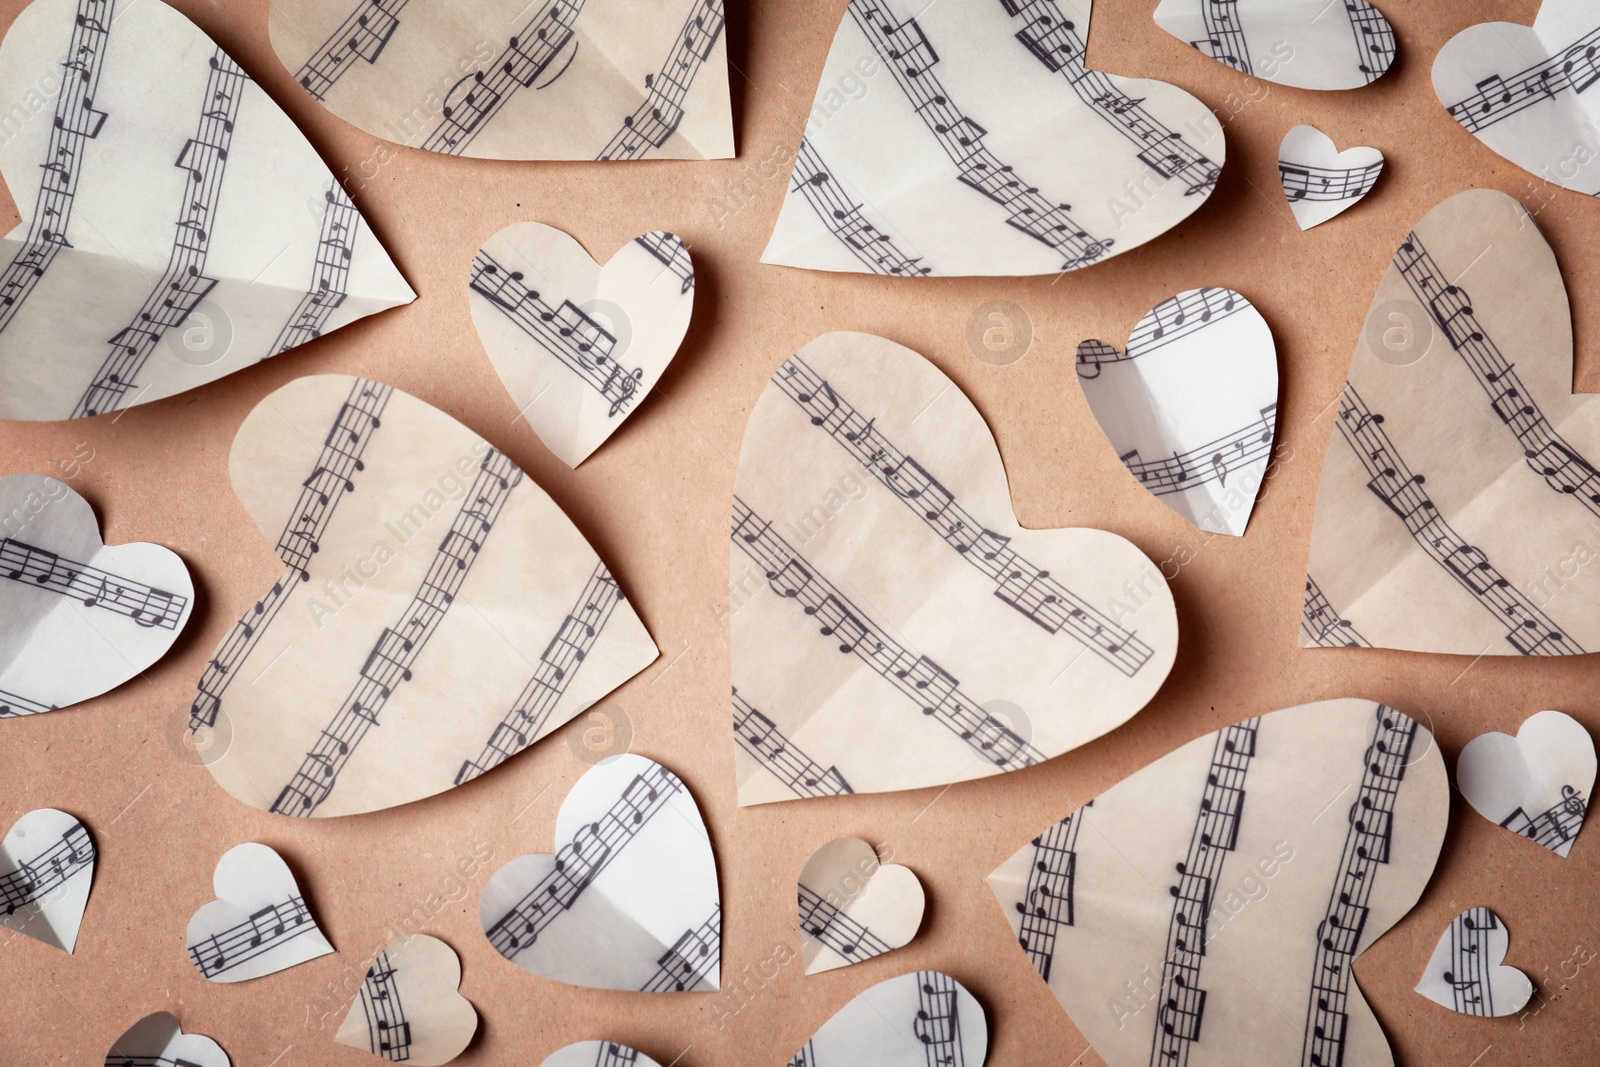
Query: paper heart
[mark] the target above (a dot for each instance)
(46, 869)
(916, 1019)
(258, 925)
(578, 345)
(1223, 891)
(410, 1007)
(439, 613)
(1522, 91)
(1192, 403)
(1536, 784)
(78, 617)
(1319, 180)
(944, 139)
(1308, 44)
(893, 625)
(629, 899)
(598, 1054)
(159, 1040)
(176, 226)
(852, 908)
(1466, 972)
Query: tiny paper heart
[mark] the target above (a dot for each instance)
(1536, 784)
(578, 345)
(1467, 971)
(259, 924)
(1319, 180)
(628, 901)
(598, 1054)
(851, 908)
(77, 617)
(920, 1019)
(1308, 44)
(46, 869)
(159, 1041)
(410, 1007)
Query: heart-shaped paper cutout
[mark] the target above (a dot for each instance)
(914, 1020)
(579, 345)
(1191, 406)
(1308, 44)
(46, 869)
(1212, 902)
(78, 617)
(411, 645)
(852, 908)
(159, 1040)
(629, 899)
(598, 1054)
(410, 1007)
(1523, 91)
(258, 925)
(1319, 180)
(176, 226)
(1536, 784)
(1467, 971)
(945, 139)
(893, 625)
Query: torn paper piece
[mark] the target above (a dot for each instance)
(598, 1054)
(1467, 971)
(258, 925)
(46, 869)
(410, 1007)
(1308, 44)
(1536, 784)
(1319, 180)
(159, 1041)
(852, 908)
(916, 1019)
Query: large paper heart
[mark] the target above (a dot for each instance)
(1536, 784)
(1191, 403)
(1309, 44)
(853, 908)
(258, 925)
(176, 226)
(410, 1007)
(918, 1019)
(46, 869)
(893, 625)
(628, 900)
(579, 345)
(1460, 500)
(947, 138)
(1466, 972)
(1523, 91)
(159, 1041)
(598, 1054)
(1319, 180)
(438, 615)
(78, 617)
(1212, 903)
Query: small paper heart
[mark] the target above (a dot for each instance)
(410, 1007)
(852, 908)
(259, 923)
(1306, 45)
(46, 870)
(598, 1054)
(1537, 783)
(1319, 180)
(1466, 972)
(158, 1040)
(915, 1020)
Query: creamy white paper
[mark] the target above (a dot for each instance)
(46, 869)
(409, 1007)
(159, 1041)
(853, 908)
(1536, 784)
(259, 923)
(598, 1054)
(1466, 972)
(914, 1020)
(1309, 44)
(1320, 181)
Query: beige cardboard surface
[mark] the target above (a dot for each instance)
(655, 503)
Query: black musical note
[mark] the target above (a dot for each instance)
(330, 271)
(1324, 627)
(869, 243)
(684, 967)
(658, 117)
(1047, 903)
(1572, 69)
(363, 34)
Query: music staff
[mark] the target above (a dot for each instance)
(1468, 976)
(263, 931)
(13, 706)
(1047, 903)
(778, 756)
(847, 221)
(1323, 626)
(36, 878)
(823, 921)
(937, 1023)
(1574, 70)
(672, 254)
(659, 116)
(614, 1055)
(388, 1032)
(363, 34)
(90, 586)
(1308, 183)
(806, 1057)
(1375, 42)
(684, 966)
(330, 277)
(1556, 825)
(1210, 462)
(1224, 40)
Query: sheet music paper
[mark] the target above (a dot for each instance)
(1320, 181)
(598, 1054)
(409, 1009)
(1459, 500)
(852, 908)
(1465, 972)
(78, 617)
(629, 898)
(1308, 44)
(1536, 784)
(893, 626)
(437, 613)
(1191, 405)
(258, 924)
(986, 146)
(46, 870)
(916, 1020)
(176, 226)
(159, 1041)
(1206, 910)
(509, 79)
(576, 344)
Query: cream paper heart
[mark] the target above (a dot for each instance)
(1191, 403)
(46, 869)
(1308, 44)
(579, 345)
(410, 1007)
(78, 617)
(258, 925)
(852, 908)
(159, 1041)
(629, 899)
(439, 612)
(1208, 907)
(893, 625)
(1536, 784)
(598, 1054)
(1467, 971)
(176, 226)
(920, 1019)
(946, 139)
(1319, 180)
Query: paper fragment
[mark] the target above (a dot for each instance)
(46, 870)
(1536, 784)
(409, 1007)
(598, 1054)
(258, 925)
(852, 908)
(1308, 44)
(1466, 972)
(1320, 181)
(911, 1021)
(159, 1041)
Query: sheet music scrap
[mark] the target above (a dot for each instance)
(1308, 44)
(409, 1008)
(176, 226)
(258, 924)
(1467, 971)
(1320, 181)
(916, 1020)
(159, 1041)
(1536, 784)
(598, 1054)
(1188, 912)
(46, 870)
(853, 908)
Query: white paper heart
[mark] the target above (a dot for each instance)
(159, 1041)
(258, 925)
(1309, 44)
(1319, 180)
(1191, 404)
(577, 345)
(77, 617)
(628, 901)
(410, 1007)
(46, 870)
(598, 1054)
(1536, 784)
(916, 1020)
(1466, 972)
(852, 908)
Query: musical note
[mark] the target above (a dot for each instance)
(364, 34)
(658, 117)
